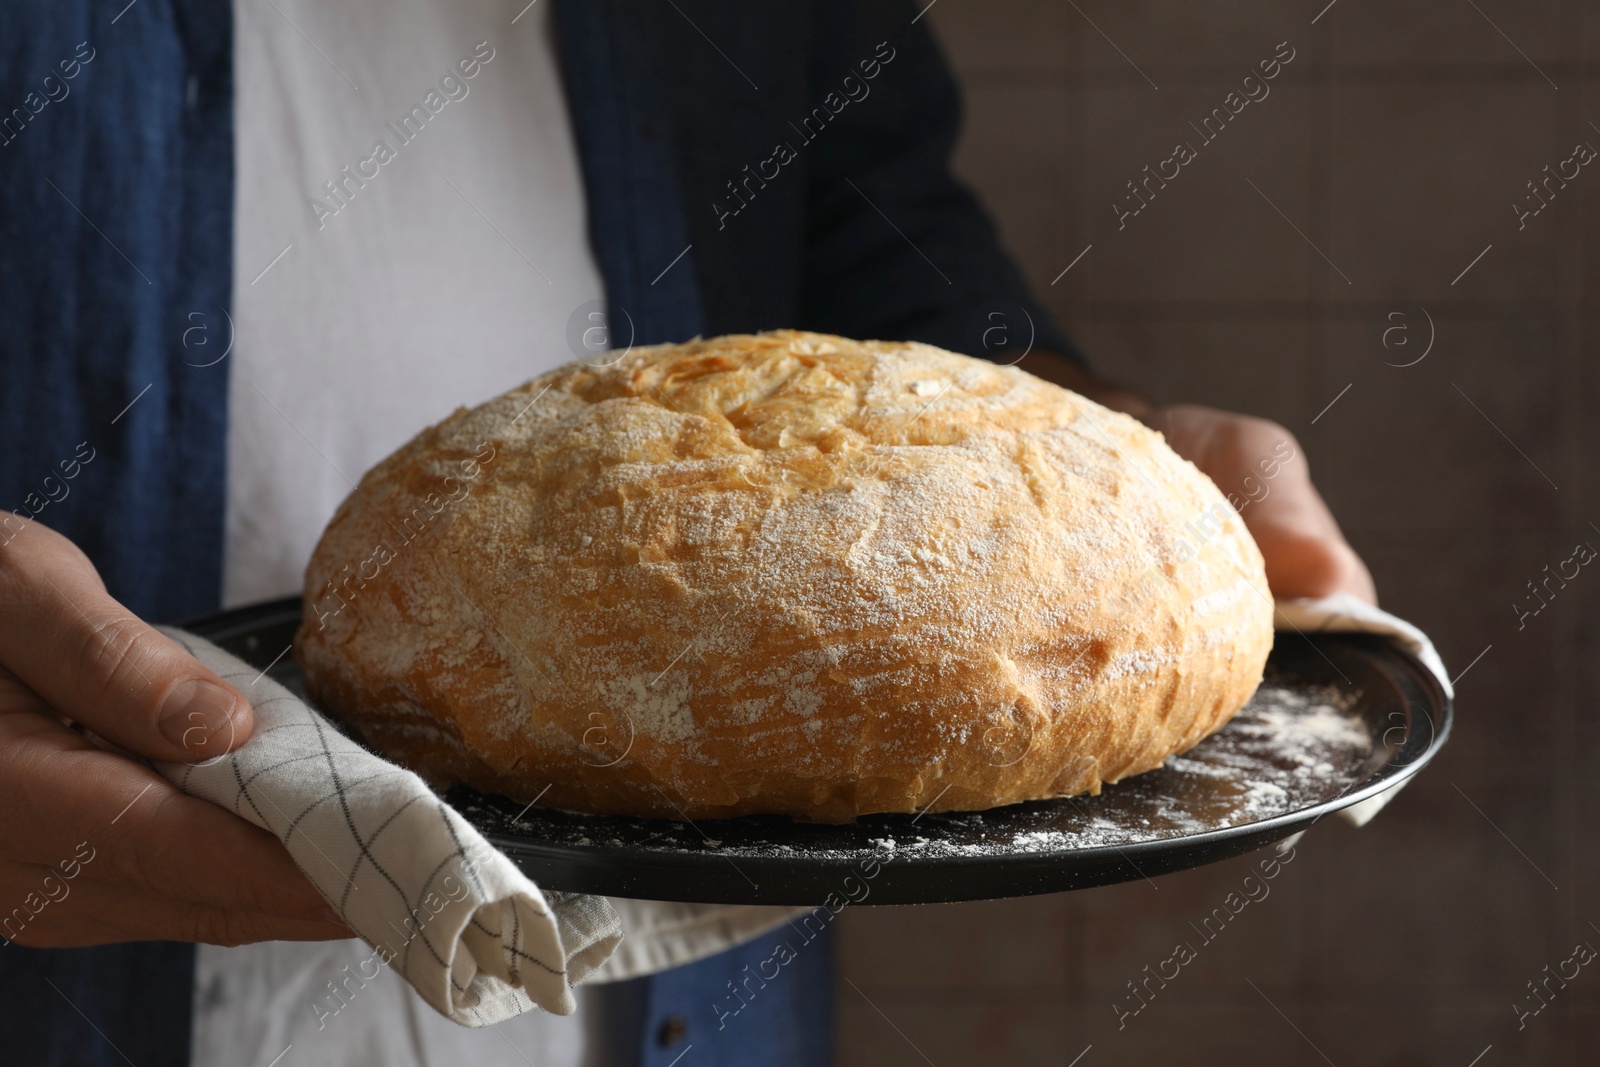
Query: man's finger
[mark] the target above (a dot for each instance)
(138, 831)
(185, 848)
(92, 913)
(1300, 541)
(122, 855)
(96, 662)
(1302, 565)
(1263, 471)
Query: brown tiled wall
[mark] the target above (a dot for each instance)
(1394, 143)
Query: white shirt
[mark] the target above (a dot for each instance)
(447, 276)
(444, 273)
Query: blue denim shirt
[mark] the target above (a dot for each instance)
(798, 165)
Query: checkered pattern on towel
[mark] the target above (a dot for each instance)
(470, 932)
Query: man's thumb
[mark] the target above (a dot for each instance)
(96, 662)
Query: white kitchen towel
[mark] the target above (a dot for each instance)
(662, 934)
(1343, 613)
(476, 939)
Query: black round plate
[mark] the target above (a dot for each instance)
(1339, 718)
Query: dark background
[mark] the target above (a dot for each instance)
(1396, 141)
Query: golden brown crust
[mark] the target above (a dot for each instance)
(785, 573)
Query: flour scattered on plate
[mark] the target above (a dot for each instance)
(1291, 747)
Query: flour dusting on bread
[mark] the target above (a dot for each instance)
(788, 573)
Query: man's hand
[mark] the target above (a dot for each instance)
(1263, 471)
(1305, 553)
(95, 847)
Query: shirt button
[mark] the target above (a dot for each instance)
(671, 1031)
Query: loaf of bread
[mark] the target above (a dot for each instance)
(784, 573)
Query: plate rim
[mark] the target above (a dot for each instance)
(664, 870)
